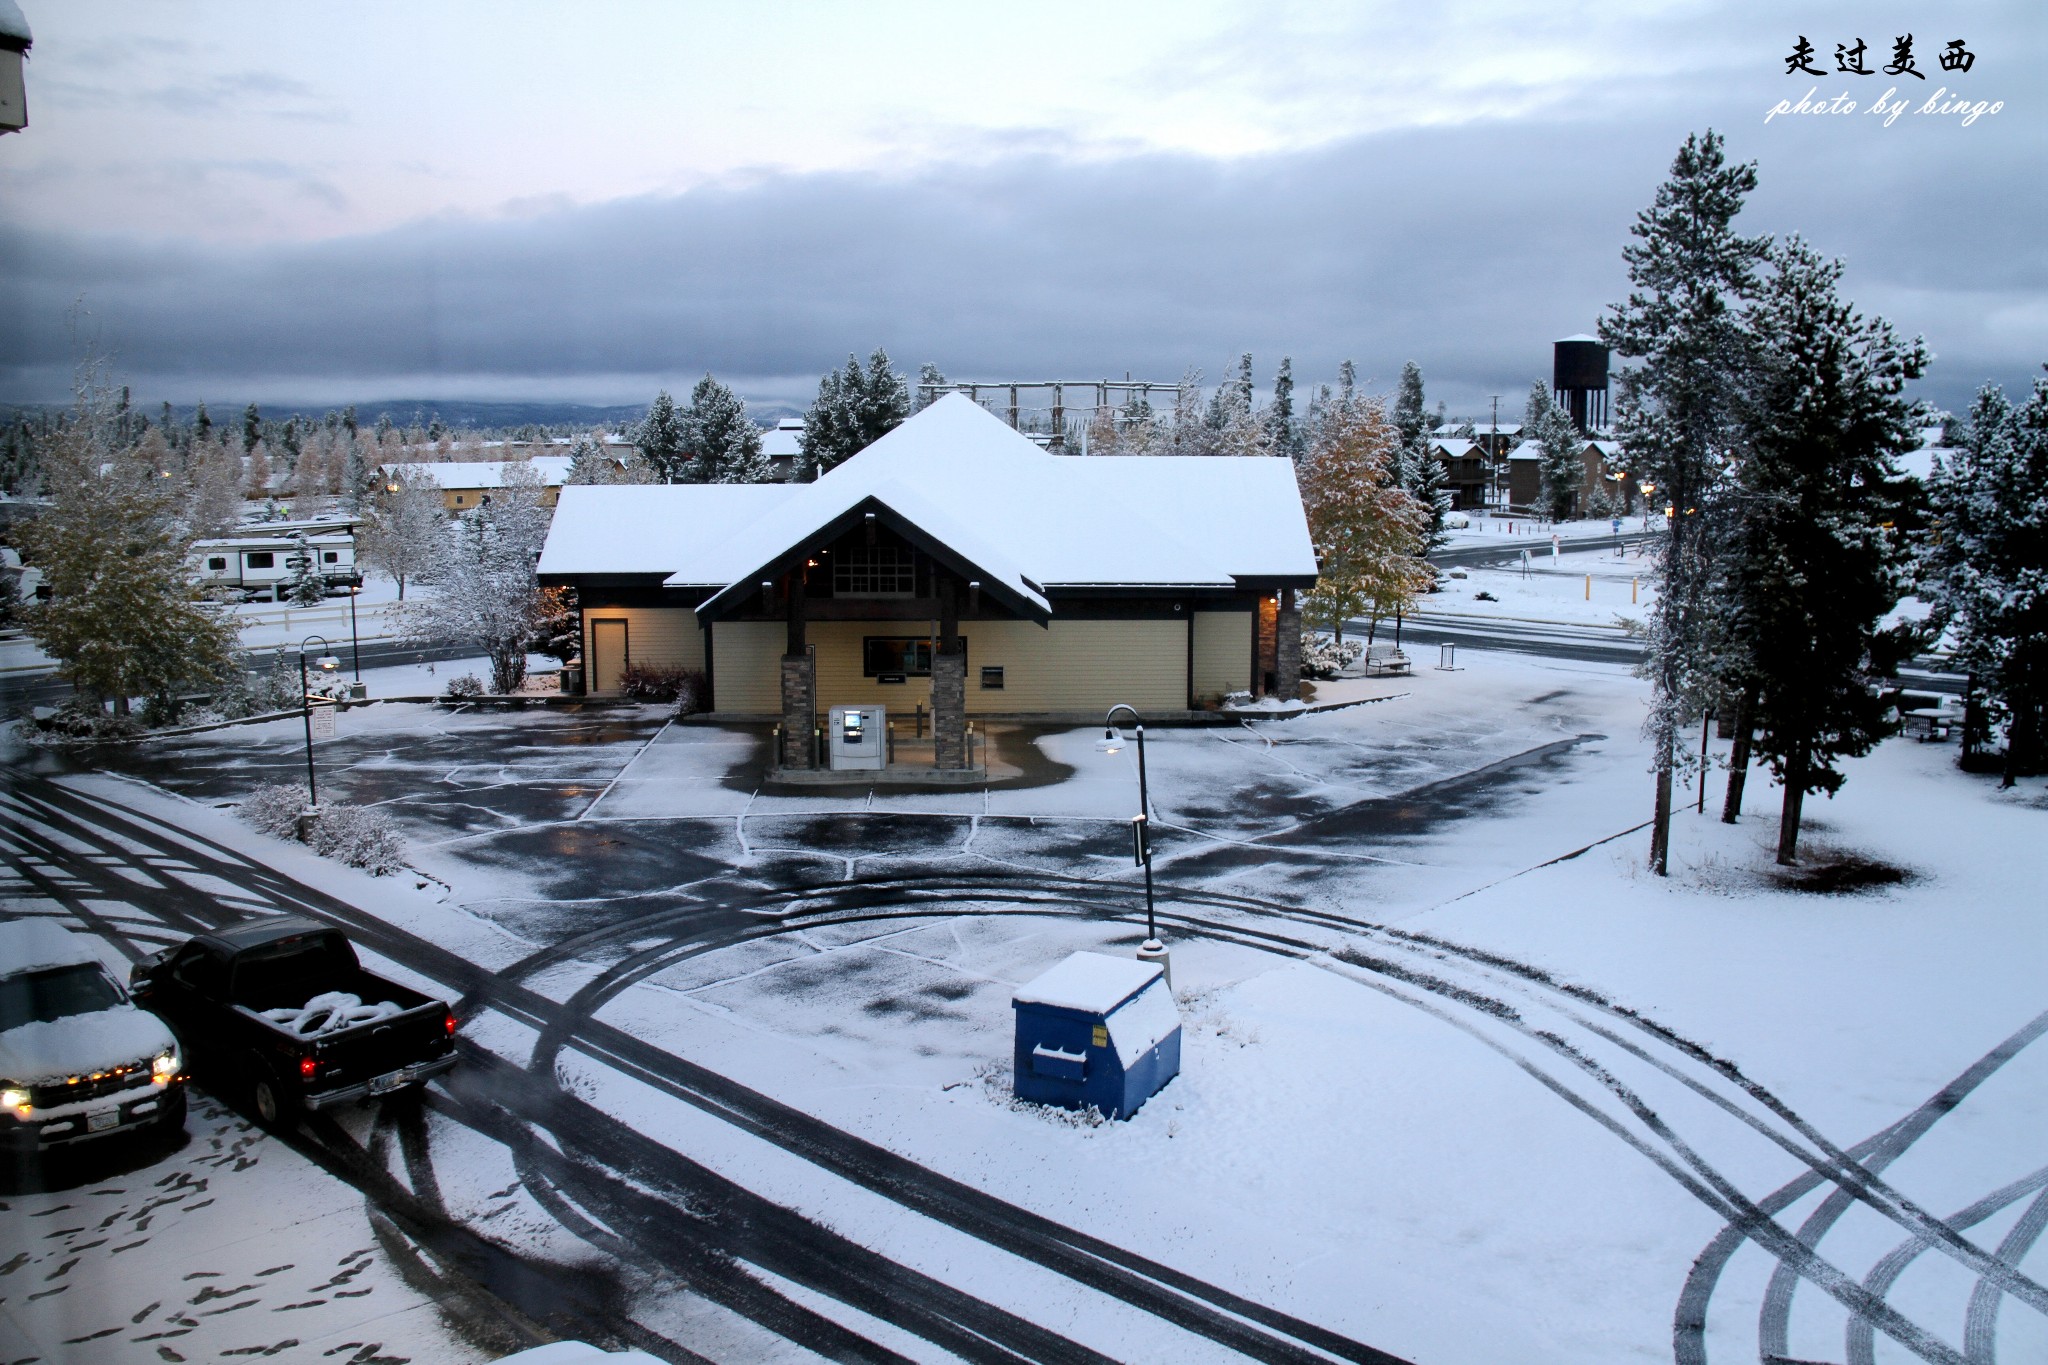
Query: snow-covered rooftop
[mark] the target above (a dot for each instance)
(553, 471)
(14, 24)
(782, 441)
(1026, 518)
(1094, 982)
(1455, 448)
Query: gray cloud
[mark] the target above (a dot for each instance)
(1467, 249)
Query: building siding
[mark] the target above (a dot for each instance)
(1071, 666)
(667, 637)
(746, 666)
(1222, 653)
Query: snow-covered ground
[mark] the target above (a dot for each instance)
(1576, 587)
(1459, 1079)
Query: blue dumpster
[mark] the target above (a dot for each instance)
(1096, 1030)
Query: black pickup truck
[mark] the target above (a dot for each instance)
(283, 1007)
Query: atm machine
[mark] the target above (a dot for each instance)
(857, 737)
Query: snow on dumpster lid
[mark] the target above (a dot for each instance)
(1093, 982)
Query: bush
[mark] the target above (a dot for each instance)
(468, 685)
(661, 682)
(257, 694)
(274, 808)
(359, 836)
(1323, 657)
(77, 719)
(356, 835)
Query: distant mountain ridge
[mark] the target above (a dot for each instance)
(454, 413)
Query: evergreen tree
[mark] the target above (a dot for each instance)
(663, 440)
(1561, 467)
(256, 473)
(1421, 467)
(854, 409)
(252, 428)
(1982, 570)
(1690, 274)
(125, 615)
(1283, 433)
(213, 477)
(307, 585)
(1185, 432)
(202, 425)
(485, 591)
(725, 442)
(931, 387)
(1812, 570)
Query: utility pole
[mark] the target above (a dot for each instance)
(1493, 451)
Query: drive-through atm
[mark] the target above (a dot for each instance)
(857, 737)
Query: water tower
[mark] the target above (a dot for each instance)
(14, 45)
(1579, 379)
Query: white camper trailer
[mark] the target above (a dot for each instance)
(259, 563)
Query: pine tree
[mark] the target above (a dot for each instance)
(1283, 433)
(125, 615)
(1368, 533)
(252, 428)
(1561, 467)
(663, 440)
(1690, 273)
(485, 591)
(725, 441)
(1421, 467)
(1812, 570)
(931, 387)
(854, 409)
(1981, 571)
(307, 585)
(1411, 415)
(202, 425)
(213, 477)
(1186, 433)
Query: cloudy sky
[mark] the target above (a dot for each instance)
(584, 202)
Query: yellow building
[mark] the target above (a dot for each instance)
(954, 565)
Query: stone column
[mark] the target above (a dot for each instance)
(799, 706)
(949, 711)
(1265, 663)
(1287, 649)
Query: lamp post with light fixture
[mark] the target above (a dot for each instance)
(326, 663)
(1112, 741)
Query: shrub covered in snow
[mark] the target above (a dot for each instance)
(468, 685)
(1323, 657)
(356, 835)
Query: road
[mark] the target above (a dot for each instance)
(23, 691)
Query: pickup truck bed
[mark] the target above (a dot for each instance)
(215, 989)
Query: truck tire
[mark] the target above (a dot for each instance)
(170, 1123)
(276, 1106)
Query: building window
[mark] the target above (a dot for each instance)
(992, 678)
(458, 499)
(902, 656)
(262, 559)
(874, 571)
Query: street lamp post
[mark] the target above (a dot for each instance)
(1112, 741)
(355, 642)
(326, 663)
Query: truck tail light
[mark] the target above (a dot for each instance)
(448, 1022)
(307, 1066)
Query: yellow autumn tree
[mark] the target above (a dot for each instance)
(1369, 535)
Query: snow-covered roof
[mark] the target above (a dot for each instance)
(553, 471)
(1578, 336)
(14, 24)
(28, 945)
(1479, 428)
(1455, 448)
(782, 441)
(1527, 450)
(1093, 982)
(1027, 519)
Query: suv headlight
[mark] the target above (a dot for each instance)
(164, 1066)
(15, 1099)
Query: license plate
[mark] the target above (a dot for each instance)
(101, 1121)
(390, 1081)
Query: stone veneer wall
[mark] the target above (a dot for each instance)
(1287, 653)
(949, 711)
(799, 706)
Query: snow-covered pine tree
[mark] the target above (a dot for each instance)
(726, 441)
(485, 588)
(252, 428)
(663, 439)
(854, 408)
(1186, 433)
(1367, 531)
(1811, 568)
(307, 586)
(1282, 431)
(1421, 467)
(884, 401)
(1690, 273)
(1981, 571)
(825, 425)
(213, 488)
(1562, 467)
(931, 387)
